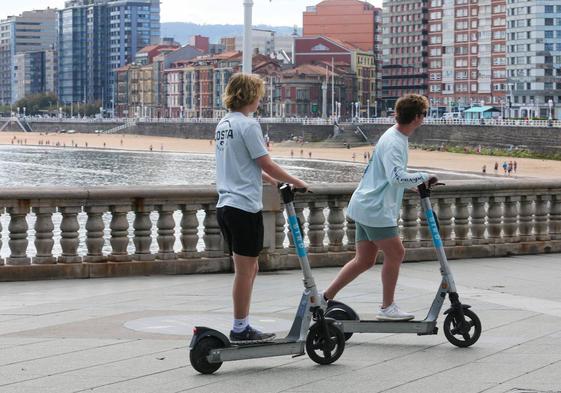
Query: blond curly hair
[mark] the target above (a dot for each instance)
(242, 90)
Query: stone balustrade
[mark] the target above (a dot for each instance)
(108, 231)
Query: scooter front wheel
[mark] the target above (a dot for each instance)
(324, 350)
(198, 355)
(462, 336)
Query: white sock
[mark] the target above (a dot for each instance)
(240, 324)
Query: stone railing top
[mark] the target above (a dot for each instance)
(56, 196)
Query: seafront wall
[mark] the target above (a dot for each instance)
(538, 139)
(109, 231)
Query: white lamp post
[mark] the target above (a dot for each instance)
(550, 104)
(247, 45)
(368, 108)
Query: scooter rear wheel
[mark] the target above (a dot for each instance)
(198, 355)
(457, 337)
(340, 312)
(321, 351)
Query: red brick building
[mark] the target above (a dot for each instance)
(466, 54)
(351, 21)
(362, 64)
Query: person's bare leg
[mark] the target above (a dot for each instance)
(393, 256)
(364, 259)
(245, 271)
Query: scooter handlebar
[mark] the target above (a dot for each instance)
(288, 191)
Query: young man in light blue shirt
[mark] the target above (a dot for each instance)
(375, 206)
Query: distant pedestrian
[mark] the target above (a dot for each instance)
(291, 153)
(368, 156)
(364, 156)
(510, 167)
(122, 142)
(515, 166)
(505, 166)
(86, 144)
(301, 153)
(484, 169)
(496, 167)
(309, 154)
(104, 145)
(151, 148)
(354, 156)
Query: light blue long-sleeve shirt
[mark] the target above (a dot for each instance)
(377, 200)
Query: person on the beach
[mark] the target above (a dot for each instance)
(376, 203)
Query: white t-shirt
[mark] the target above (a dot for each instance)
(377, 200)
(239, 141)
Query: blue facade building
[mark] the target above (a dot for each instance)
(95, 38)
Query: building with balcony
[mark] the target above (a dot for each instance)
(30, 32)
(534, 58)
(466, 55)
(96, 37)
(404, 49)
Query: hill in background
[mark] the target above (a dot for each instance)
(182, 31)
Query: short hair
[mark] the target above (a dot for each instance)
(242, 90)
(408, 107)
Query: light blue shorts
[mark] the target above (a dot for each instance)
(364, 232)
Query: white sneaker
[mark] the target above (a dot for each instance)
(393, 313)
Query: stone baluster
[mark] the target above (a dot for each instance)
(189, 232)
(351, 234)
(555, 218)
(142, 232)
(95, 228)
(461, 222)
(316, 227)
(44, 241)
(540, 226)
(214, 246)
(525, 219)
(18, 236)
(478, 215)
(410, 215)
(69, 240)
(494, 219)
(166, 232)
(336, 229)
(119, 234)
(445, 220)
(280, 234)
(299, 209)
(510, 220)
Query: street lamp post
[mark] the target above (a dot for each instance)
(247, 46)
(550, 117)
(357, 111)
(368, 109)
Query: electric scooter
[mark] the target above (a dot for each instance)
(462, 327)
(323, 340)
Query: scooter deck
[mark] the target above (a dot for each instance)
(278, 347)
(423, 327)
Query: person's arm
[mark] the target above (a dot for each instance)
(393, 161)
(273, 170)
(269, 179)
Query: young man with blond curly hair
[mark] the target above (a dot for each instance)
(242, 163)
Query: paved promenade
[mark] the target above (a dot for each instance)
(132, 334)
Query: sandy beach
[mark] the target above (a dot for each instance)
(545, 169)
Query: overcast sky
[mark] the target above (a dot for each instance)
(275, 12)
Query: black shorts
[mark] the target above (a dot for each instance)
(243, 231)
